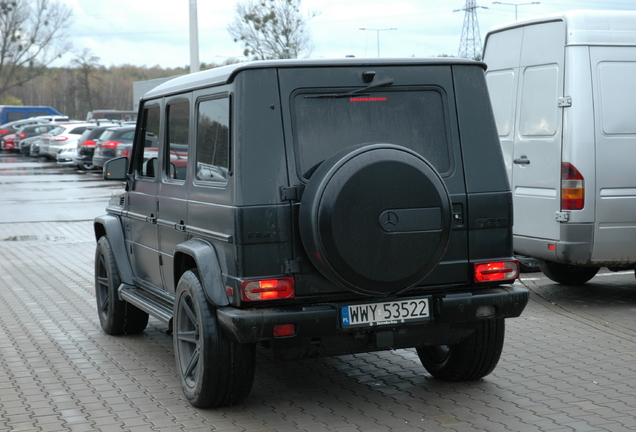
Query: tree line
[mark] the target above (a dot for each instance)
(33, 34)
(74, 91)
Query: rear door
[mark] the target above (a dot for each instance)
(525, 92)
(416, 111)
(173, 193)
(614, 89)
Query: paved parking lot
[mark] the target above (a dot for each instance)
(568, 364)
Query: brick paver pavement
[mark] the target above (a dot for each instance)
(560, 371)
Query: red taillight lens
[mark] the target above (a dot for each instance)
(60, 138)
(89, 143)
(21, 135)
(496, 271)
(283, 330)
(572, 188)
(110, 144)
(4, 131)
(268, 289)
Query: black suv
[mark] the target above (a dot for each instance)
(315, 208)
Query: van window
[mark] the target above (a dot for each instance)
(500, 86)
(213, 140)
(178, 134)
(414, 119)
(617, 89)
(539, 109)
(15, 115)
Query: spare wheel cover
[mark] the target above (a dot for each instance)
(375, 219)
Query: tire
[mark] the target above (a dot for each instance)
(86, 166)
(116, 317)
(568, 274)
(471, 359)
(375, 219)
(213, 370)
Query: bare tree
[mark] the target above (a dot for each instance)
(32, 36)
(86, 63)
(271, 29)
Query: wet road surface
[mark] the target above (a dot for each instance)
(33, 190)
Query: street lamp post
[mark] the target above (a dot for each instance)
(378, 34)
(516, 5)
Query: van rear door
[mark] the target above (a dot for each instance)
(525, 90)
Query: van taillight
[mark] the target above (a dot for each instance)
(88, 143)
(496, 271)
(572, 188)
(268, 289)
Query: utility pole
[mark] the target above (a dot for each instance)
(470, 43)
(194, 38)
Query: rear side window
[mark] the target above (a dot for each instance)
(213, 140)
(178, 135)
(414, 119)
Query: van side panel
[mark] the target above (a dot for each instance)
(613, 72)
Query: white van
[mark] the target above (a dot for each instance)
(563, 90)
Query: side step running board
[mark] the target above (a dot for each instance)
(157, 306)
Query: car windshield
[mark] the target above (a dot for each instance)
(413, 119)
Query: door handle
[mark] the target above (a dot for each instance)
(151, 219)
(523, 160)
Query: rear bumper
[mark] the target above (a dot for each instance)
(319, 330)
(574, 245)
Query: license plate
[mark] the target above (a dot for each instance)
(387, 313)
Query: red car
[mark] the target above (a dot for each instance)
(8, 142)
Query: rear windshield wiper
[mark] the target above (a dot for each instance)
(358, 92)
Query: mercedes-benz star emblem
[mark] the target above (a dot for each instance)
(388, 221)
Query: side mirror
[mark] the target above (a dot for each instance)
(116, 169)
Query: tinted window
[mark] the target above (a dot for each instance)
(413, 119)
(178, 133)
(213, 140)
(147, 161)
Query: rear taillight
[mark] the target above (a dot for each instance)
(572, 188)
(60, 138)
(4, 131)
(496, 271)
(88, 143)
(110, 144)
(268, 289)
(21, 135)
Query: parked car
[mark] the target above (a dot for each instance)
(8, 142)
(66, 154)
(123, 115)
(563, 93)
(108, 142)
(86, 144)
(25, 135)
(324, 207)
(58, 137)
(14, 126)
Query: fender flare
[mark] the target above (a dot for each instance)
(207, 263)
(110, 226)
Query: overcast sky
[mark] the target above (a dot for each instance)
(155, 32)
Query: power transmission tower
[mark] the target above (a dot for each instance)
(470, 43)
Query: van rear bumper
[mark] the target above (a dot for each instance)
(452, 318)
(574, 245)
